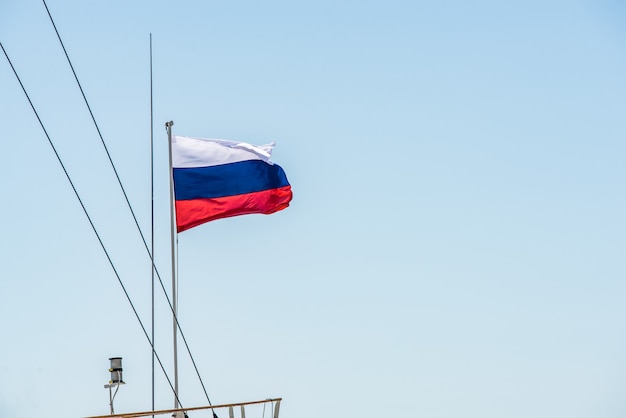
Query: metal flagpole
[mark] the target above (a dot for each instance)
(168, 126)
(152, 212)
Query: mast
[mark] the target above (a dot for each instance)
(152, 213)
(168, 126)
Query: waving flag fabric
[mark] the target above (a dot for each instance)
(215, 178)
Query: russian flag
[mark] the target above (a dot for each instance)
(215, 179)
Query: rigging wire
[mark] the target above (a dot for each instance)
(128, 203)
(93, 227)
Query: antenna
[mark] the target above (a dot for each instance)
(116, 379)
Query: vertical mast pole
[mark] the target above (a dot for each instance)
(152, 213)
(168, 125)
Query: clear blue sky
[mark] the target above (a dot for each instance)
(455, 246)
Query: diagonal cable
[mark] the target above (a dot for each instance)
(82, 205)
(128, 203)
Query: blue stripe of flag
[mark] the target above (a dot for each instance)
(227, 180)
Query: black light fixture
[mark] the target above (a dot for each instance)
(116, 370)
(116, 379)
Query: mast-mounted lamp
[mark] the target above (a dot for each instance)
(116, 370)
(116, 379)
